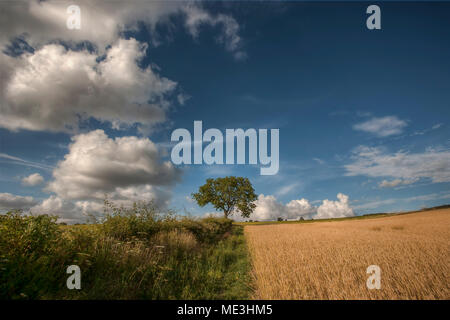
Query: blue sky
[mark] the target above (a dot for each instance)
(363, 113)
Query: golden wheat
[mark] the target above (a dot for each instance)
(328, 260)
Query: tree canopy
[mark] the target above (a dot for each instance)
(229, 194)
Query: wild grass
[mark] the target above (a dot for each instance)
(135, 253)
(328, 260)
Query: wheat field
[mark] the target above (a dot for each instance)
(328, 260)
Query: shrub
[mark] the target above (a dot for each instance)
(143, 220)
(207, 230)
(131, 253)
(27, 246)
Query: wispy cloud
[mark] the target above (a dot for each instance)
(396, 183)
(286, 189)
(373, 204)
(432, 164)
(422, 132)
(22, 162)
(382, 127)
(319, 161)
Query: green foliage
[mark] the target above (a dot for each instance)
(208, 230)
(143, 220)
(27, 235)
(228, 194)
(134, 253)
(27, 245)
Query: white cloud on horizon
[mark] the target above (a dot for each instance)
(335, 209)
(269, 208)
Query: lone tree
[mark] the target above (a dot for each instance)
(228, 194)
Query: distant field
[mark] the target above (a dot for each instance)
(328, 260)
(367, 216)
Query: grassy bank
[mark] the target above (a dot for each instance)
(131, 254)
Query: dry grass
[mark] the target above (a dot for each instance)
(328, 260)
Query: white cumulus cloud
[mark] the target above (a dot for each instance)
(269, 208)
(97, 164)
(33, 180)
(55, 88)
(335, 209)
(126, 169)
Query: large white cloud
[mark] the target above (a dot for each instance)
(432, 164)
(54, 88)
(382, 127)
(97, 164)
(126, 169)
(10, 201)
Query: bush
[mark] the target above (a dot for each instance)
(28, 244)
(208, 230)
(134, 253)
(143, 220)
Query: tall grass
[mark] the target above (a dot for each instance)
(131, 253)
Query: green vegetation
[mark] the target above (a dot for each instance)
(228, 194)
(134, 253)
